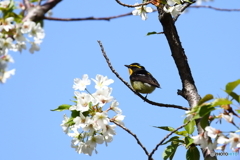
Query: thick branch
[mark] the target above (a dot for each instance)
(26, 4)
(189, 90)
(37, 13)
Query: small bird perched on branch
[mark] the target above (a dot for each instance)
(141, 80)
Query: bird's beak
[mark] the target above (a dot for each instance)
(127, 66)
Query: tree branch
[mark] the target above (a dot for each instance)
(218, 9)
(129, 14)
(132, 6)
(161, 142)
(37, 13)
(89, 18)
(189, 90)
(142, 97)
(26, 4)
(134, 135)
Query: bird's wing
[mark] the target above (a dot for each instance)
(145, 77)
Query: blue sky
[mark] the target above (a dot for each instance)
(44, 80)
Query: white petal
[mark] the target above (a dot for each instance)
(149, 9)
(135, 12)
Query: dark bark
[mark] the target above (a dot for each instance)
(189, 90)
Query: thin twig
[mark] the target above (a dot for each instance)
(134, 135)
(161, 142)
(218, 9)
(132, 6)
(88, 18)
(145, 99)
(129, 14)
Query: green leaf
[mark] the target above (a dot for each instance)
(205, 99)
(175, 139)
(193, 153)
(70, 122)
(34, 1)
(232, 85)
(204, 121)
(182, 133)
(62, 107)
(86, 113)
(238, 110)
(203, 110)
(17, 18)
(166, 128)
(175, 145)
(234, 96)
(188, 141)
(190, 127)
(151, 33)
(221, 101)
(170, 151)
(75, 113)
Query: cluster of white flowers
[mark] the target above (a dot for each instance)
(219, 138)
(13, 38)
(89, 123)
(174, 7)
(142, 11)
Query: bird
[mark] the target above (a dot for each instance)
(141, 80)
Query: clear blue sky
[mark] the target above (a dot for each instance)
(43, 81)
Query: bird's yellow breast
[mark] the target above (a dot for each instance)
(142, 87)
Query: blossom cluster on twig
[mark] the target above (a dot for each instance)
(15, 35)
(89, 123)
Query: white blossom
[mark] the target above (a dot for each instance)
(7, 25)
(174, 10)
(5, 75)
(234, 141)
(142, 11)
(35, 46)
(201, 139)
(4, 4)
(102, 82)
(103, 96)
(119, 119)
(115, 108)
(212, 132)
(64, 124)
(100, 120)
(80, 84)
